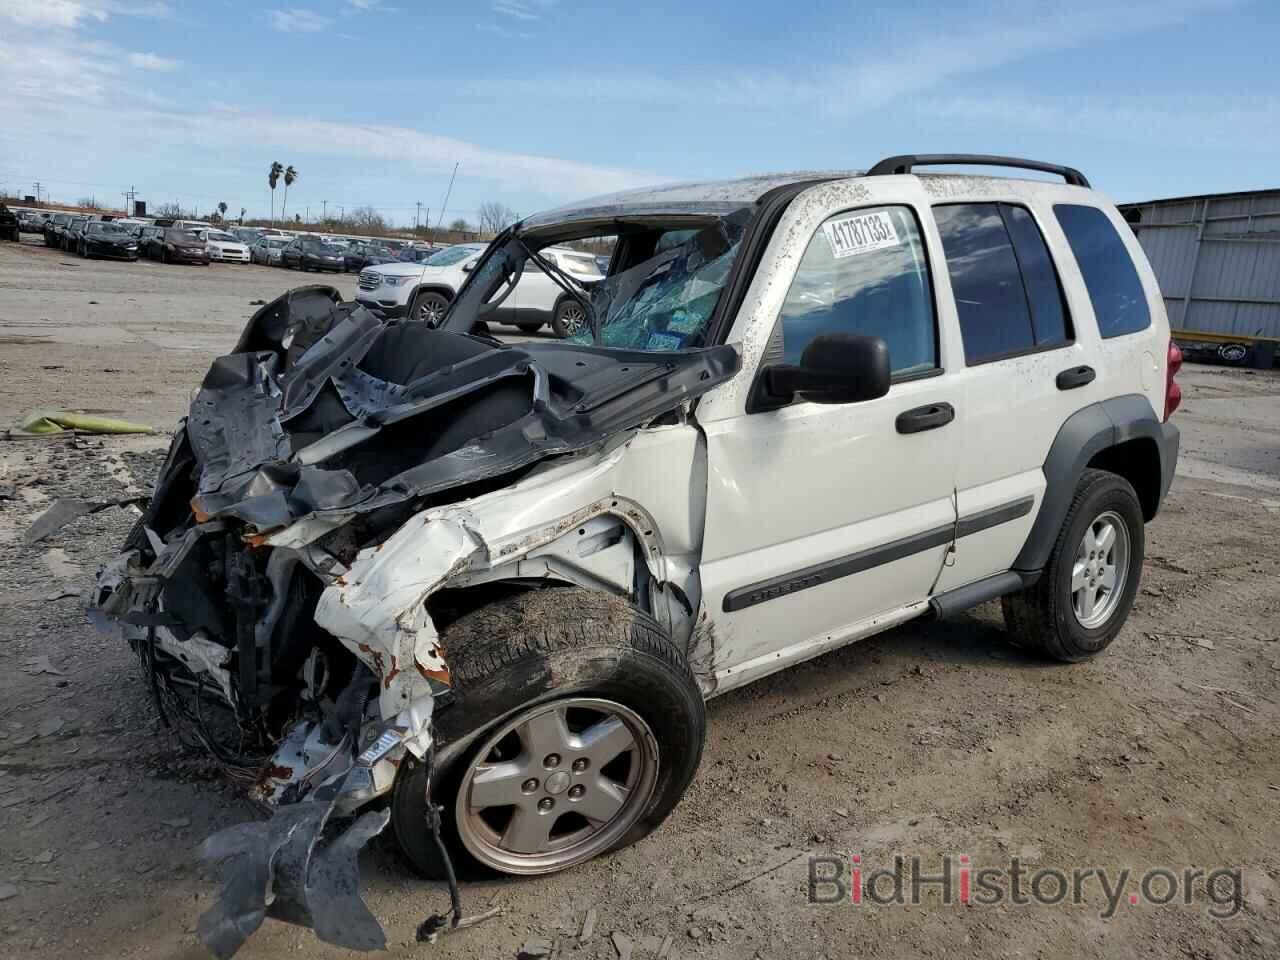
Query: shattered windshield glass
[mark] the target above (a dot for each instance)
(666, 302)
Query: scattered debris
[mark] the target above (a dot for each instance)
(534, 950)
(44, 857)
(65, 593)
(257, 303)
(842, 812)
(91, 846)
(56, 421)
(695, 933)
(588, 926)
(623, 944)
(63, 510)
(8, 495)
(41, 664)
(48, 728)
(666, 947)
(8, 891)
(836, 757)
(177, 822)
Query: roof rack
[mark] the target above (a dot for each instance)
(903, 164)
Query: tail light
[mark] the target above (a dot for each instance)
(1172, 392)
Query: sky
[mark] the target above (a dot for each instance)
(542, 102)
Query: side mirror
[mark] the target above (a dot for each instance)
(468, 266)
(834, 368)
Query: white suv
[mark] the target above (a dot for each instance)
(496, 582)
(424, 291)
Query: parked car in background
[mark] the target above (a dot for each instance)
(357, 256)
(29, 221)
(308, 253)
(417, 254)
(223, 246)
(108, 239)
(193, 225)
(423, 292)
(267, 250)
(173, 245)
(71, 235)
(53, 228)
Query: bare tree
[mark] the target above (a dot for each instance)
(366, 218)
(495, 217)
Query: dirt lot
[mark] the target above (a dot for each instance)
(933, 740)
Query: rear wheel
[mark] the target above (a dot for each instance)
(587, 726)
(1081, 601)
(569, 318)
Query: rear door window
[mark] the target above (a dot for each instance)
(1006, 289)
(865, 272)
(1119, 302)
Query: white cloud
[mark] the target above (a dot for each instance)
(298, 20)
(933, 53)
(365, 4)
(152, 61)
(69, 14)
(525, 10)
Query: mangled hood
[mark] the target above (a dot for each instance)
(325, 408)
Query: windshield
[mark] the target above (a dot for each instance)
(183, 236)
(277, 242)
(107, 228)
(222, 237)
(452, 255)
(666, 302)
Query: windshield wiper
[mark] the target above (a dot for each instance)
(570, 285)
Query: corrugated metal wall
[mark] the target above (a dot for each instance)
(1217, 259)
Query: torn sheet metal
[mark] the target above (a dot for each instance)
(291, 868)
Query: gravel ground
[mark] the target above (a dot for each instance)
(934, 739)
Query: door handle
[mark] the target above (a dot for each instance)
(1076, 377)
(929, 417)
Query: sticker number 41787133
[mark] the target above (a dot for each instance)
(860, 234)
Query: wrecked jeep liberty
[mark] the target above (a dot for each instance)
(481, 591)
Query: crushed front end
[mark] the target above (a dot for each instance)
(275, 633)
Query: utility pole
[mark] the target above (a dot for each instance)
(445, 205)
(37, 186)
(417, 216)
(308, 213)
(324, 214)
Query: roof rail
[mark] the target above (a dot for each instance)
(904, 163)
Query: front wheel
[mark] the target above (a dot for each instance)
(568, 319)
(1082, 599)
(587, 726)
(429, 307)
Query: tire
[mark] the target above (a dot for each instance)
(164, 255)
(529, 328)
(568, 318)
(429, 307)
(529, 656)
(1053, 619)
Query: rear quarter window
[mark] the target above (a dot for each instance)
(1119, 302)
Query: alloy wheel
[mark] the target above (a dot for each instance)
(557, 785)
(1101, 570)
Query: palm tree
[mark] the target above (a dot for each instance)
(242, 212)
(290, 175)
(222, 209)
(273, 177)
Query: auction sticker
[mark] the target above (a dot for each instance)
(860, 234)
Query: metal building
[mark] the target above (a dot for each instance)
(1217, 258)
